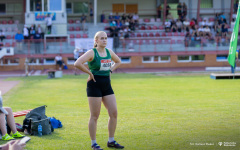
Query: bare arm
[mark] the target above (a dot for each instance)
(88, 56)
(116, 59)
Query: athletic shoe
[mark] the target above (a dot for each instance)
(95, 146)
(18, 135)
(114, 144)
(7, 137)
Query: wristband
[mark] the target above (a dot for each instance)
(111, 71)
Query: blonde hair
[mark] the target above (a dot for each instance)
(96, 37)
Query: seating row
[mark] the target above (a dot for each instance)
(78, 36)
(158, 34)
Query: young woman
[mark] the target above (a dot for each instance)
(99, 87)
(6, 112)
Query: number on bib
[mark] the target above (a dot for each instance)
(105, 64)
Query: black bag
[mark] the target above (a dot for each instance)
(34, 118)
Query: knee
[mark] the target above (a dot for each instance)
(8, 109)
(113, 114)
(94, 117)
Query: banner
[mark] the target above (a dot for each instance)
(234, 40)
(87, 43)
(40, 16)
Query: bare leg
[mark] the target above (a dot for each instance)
(10, 120)
(110, 103)
(95, 107)
(3, 124)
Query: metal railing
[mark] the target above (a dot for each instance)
(121, 45)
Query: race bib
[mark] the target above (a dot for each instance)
(105, 64)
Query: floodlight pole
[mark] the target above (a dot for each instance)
(231, 11)
(95, 12)
(198, 10)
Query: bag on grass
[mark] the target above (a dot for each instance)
(34, 118)
(55, 122)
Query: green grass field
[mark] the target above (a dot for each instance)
(154, 112)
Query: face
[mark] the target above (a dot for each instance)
(102, 40)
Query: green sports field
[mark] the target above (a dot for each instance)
(154, 112)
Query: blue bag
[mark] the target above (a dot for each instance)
(55, 123)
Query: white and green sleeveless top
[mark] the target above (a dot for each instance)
(100, 65)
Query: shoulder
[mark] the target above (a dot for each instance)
(110, 51)
(90, 53)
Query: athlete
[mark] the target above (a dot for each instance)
(99, 87)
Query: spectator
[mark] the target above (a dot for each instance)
(121, 35)
(19, 38)
(215, 26)
(130, 16)
(103, 17)
(192, 24)
(126, 32)
(135, 18)
(48, 21)
(32, 31)
(219, 30)
(217, 18)
(2, 35)
(7, 114)
(111, 17)
(182, 18)
(124, 17)
(184, 7)
(113, 23)
(127, 22)
(186, 25)
(167, 26)
(187, 39)
(159, 11)
(59, 61)
(228, 36)
(37, 41)
(25, 32)
(204, 22)
(207, 30)
(91, 12)
(221, 21)
(179, 25)
(179, 10)
(113, 31)
(201, 29)
(76, 55)
(119, 24)
(235, 6)
(167, 10)
(223, 16)
(174, 28)
(132, 24)
(197, 39)
(170, 17)
(83, 21)
(38, 6)
(117, 17)
(209, 24)
(224, 28)
(40, 31)
(218, 38)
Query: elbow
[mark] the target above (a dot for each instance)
(119, 63)
(75, 64)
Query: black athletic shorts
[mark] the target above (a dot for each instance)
(102, 87)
